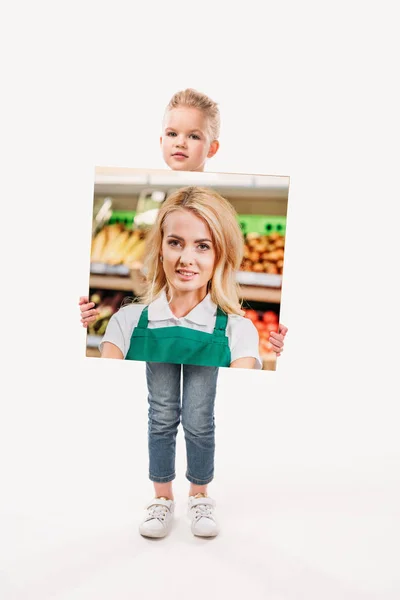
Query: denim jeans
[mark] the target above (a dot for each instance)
(196, 412)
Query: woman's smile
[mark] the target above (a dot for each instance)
(188, 252)
(186, 274)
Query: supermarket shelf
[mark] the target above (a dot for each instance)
(111, 282)
(259, 279)
(134, 284)
(117, 180)
(261, 294)
(97, 268)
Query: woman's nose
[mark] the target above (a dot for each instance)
(186, 257)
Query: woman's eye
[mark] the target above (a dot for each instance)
(204, 246)
(173, 242)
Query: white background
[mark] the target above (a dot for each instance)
(308, 458)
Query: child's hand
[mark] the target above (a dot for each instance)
(88, 313)
(277, 339)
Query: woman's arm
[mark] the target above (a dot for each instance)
(110, 350)
(247, 362)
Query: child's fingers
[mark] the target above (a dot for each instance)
(276, 337)
(277, 347)
(87, 307)
(86, 322)
(276, 342)
(283, 329)
(90, 315)
(83, 300)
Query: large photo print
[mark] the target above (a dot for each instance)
(187, 268)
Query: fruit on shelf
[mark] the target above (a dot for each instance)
(114, 251)
(96, 298)
(252, 314)
(107, 304)
(117, 245)
(269, 316)
(136, 253)
(265, 322)
(263, 253)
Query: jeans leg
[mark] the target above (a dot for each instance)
(164, 387)
(199, 390)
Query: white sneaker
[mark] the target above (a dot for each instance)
(201, 513)
(158, 519)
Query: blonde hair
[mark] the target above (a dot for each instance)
(227, 238)
(194, 99)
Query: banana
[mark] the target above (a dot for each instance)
(131, 252)
(98, 244)
(131, 243)
(115, 252)
(113, 246)
(116, 245)
(136, 253)
(113, 230)
(101, 240)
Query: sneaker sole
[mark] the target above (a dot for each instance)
(209, 535)
(153, 534)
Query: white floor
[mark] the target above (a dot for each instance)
(305, 511)
(294, 541)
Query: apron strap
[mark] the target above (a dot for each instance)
(220, 322)
(144, 319)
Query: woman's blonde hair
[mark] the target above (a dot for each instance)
(194, 99)
(221, 218)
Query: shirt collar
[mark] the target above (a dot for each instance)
(159, 310)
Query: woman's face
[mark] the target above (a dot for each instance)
(188, 252)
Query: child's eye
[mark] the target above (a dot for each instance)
(195, 136)
(171, 133)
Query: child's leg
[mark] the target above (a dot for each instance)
(199, 390)
(163, 490)
(163, 382)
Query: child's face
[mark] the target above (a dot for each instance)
(185, 141)
(188, 252)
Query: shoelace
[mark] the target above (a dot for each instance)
(203, 510)
(156, 511)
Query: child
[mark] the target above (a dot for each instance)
(190, 132)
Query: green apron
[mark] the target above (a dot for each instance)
(181, 345)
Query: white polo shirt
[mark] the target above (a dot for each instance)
(241, 332)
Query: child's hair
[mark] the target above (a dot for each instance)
(194, 99)
(227, 238)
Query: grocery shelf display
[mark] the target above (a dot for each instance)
(118, 246)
